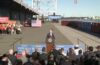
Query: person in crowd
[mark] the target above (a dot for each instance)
(71, 56)
(43, 57)
(76, 49)
(0, 59)
(37, 62)
(15, 53)
(62, 52)
(35, 55)
(89, 56)
(4, 60)
(18, 28)
(58, 57)
(8, 29)
(61, 58)
(51, 60)
(28, 62)
(97, 54)
(55, 57)
(56, 54)
(51, 52)
(98, 51)
(12, 57)
(80, 58)
(19, 62)
(12, 29)
(23, 57)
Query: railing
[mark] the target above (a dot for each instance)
(16, 42)
(9, 44)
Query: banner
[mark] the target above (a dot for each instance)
(29, 47)
(36, 23)
(4, 19)
(65, 47)
(54, 17)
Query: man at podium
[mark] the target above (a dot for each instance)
(50, 38)
(50, 41)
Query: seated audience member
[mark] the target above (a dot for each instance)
(12, 29)
(18, 29)
(8, 30)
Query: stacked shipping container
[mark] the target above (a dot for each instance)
(87, 26)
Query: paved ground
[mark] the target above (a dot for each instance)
(31, 36)
(37, 36)
(78, 37)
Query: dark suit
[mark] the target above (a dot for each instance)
(50, 36)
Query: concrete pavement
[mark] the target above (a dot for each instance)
(77, 37)
(31, 35)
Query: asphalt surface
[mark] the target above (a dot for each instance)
(31, 35)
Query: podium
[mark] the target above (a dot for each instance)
(49, 47)
(49, 44)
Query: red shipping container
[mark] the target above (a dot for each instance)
(64, 23)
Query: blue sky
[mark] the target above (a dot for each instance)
(82, 8)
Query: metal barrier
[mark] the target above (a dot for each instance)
(16, 42)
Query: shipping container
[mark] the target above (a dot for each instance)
(91, 27)
(88, 26)
(65, 23)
